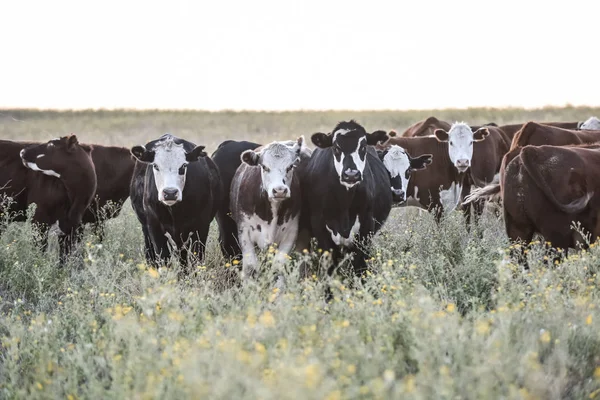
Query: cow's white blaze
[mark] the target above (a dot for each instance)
(460, 145)
(396, 161)
(277, 161)
(169, 169)
(360, 163)
(592, 123)
(339, 240)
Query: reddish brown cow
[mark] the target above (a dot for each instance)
(58, 176)
(512, 129)
(547, 188)
(425, 127)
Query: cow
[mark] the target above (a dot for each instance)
(58, 176)
(545, 189)
(425, 127)
(535, 134)
(266, 201)
(175, 193)
(348, 192)
(114, 168)
(227, 157)
(400, 165)
(592, 123)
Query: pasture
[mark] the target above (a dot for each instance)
(446, 315)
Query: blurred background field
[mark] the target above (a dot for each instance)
(128, 128)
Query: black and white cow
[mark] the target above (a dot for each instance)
(266, 201)
(228, 157)
(175, 193)
(348, 191)
(400, 166)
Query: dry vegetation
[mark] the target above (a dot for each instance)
(447, 315)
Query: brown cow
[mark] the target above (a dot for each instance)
(58, 176)
(545, 189)
(591, 123)
(425, 127)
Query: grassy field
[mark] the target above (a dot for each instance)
(445, 316)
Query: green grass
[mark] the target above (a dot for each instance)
(446, 315)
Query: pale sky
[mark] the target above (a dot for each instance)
(289, 55)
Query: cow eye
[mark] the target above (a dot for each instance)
(471, 144)
(182, 169)
(451, 144)
(265, 168)
(155, 167)
(50, 144)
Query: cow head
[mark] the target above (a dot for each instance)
(169, 160)
(349, 142)
(400, 165)
(592, 123)
(54, 156)
(277, 162)
(460, 140)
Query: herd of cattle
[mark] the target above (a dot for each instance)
(283, 193)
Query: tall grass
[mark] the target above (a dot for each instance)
(445, 314)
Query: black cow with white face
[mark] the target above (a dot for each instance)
(400, 166)
(175, 192)
(348, 196)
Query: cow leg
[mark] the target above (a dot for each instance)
(66, 244)
(249, 259)
(466, 208)
(160, 245)
(228, 239)
(520, 236)
(149, 252)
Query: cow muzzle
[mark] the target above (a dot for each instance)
(398, 195)
(462, 165)
(280, 193)
(170, 196)
(351, 177)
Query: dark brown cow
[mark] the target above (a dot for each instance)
(547, 188)
(58, 176)
(425, 127)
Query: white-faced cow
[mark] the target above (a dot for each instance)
(266, 201)
(175, 193)
(58, 176)
(592, 124)
(348, 191)
(400, 166)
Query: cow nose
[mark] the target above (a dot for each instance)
(170, 194)
(280, 192)
(351, 175)
(462, 163)
(398, 194)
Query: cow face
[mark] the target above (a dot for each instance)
(349, 142)
(460, 140)
(277, 162)
(169, 162)
(592, 123)
(51, 157)
(400, 165)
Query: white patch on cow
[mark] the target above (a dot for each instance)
(396, 161)
(592, 123)
(340, 132)
(451, 197)
(339, 240)
(460, 145)
(169, 158)
(360, 164)
(40, 155)
(496, 178)
(414, 200)
(270, 233)
(49, 172)
(277, 162)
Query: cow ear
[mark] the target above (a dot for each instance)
(142, 154)
(250, 157)
(300, 143)
(377, 137)
(322, 140)
(194, 155)
(420, 162)
(480, 134)
(392, 133)
(441, 135)
(72, 142)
